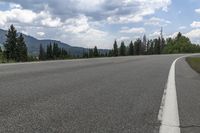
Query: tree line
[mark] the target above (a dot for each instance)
(138, 47)
(15, 48)
(92, 53)
(52, 52)
(179, 44)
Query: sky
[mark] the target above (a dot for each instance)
(89, 23)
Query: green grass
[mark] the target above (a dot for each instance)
(194, 62)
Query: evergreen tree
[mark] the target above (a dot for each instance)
(96, 53)
(157, 46)
(148, 47)
(21, 49)
(56, 51)
(115, 49)
(179, 35)
(49, 52)
(162, 45)
(91, 53)
(110, 53)
(64, 53)
(180, 44)
(137, 46)
(151, 47)
(131, 48)
(10, 44)
(42, 55)
(122, 49)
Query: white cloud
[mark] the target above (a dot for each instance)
(17, 15)
(24, 16)
(62, 19)
(155, 34)
(41, 33)
(77, 25)
(173, 35)
(79, 31)
(24, 32)
(193, 34)
(89, 5)
(195, 24)
(124, 11)
(197, 10)
(124, 19)
(12, 5)
(124, 38)
(157, 22)
(182, 27)
(140, 8)
(50, 22)
(139, 30)
(83, 32)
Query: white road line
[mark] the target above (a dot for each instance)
(168, 114)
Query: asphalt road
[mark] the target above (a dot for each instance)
(105, 95)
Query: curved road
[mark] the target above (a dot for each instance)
(105, 95)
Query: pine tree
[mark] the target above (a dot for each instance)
(122, 49)
(162, 45)
(10, 44)
(148, 47)
(156, 46)
(91, 53)
(110, 53)
(64, 54)
(178, 36)
(42, 55)
(49, 52)
(131, 48)
(151, 48)
(137, 46)
(21, 49)
(96, 53)
(115, 49)
(55, 51)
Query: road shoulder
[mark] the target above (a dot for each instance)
(188, 94)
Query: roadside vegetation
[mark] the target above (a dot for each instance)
(15, 49)
(194, 62)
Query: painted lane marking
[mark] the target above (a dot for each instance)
(168, 113)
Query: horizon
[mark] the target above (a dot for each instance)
(89, 23)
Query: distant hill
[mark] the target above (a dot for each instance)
(33, 45)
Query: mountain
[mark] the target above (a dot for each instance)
(33, 45)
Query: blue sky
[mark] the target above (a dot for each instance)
(88, 23)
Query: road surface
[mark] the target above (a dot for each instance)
(105, 95)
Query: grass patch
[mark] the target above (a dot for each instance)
(194, 62)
